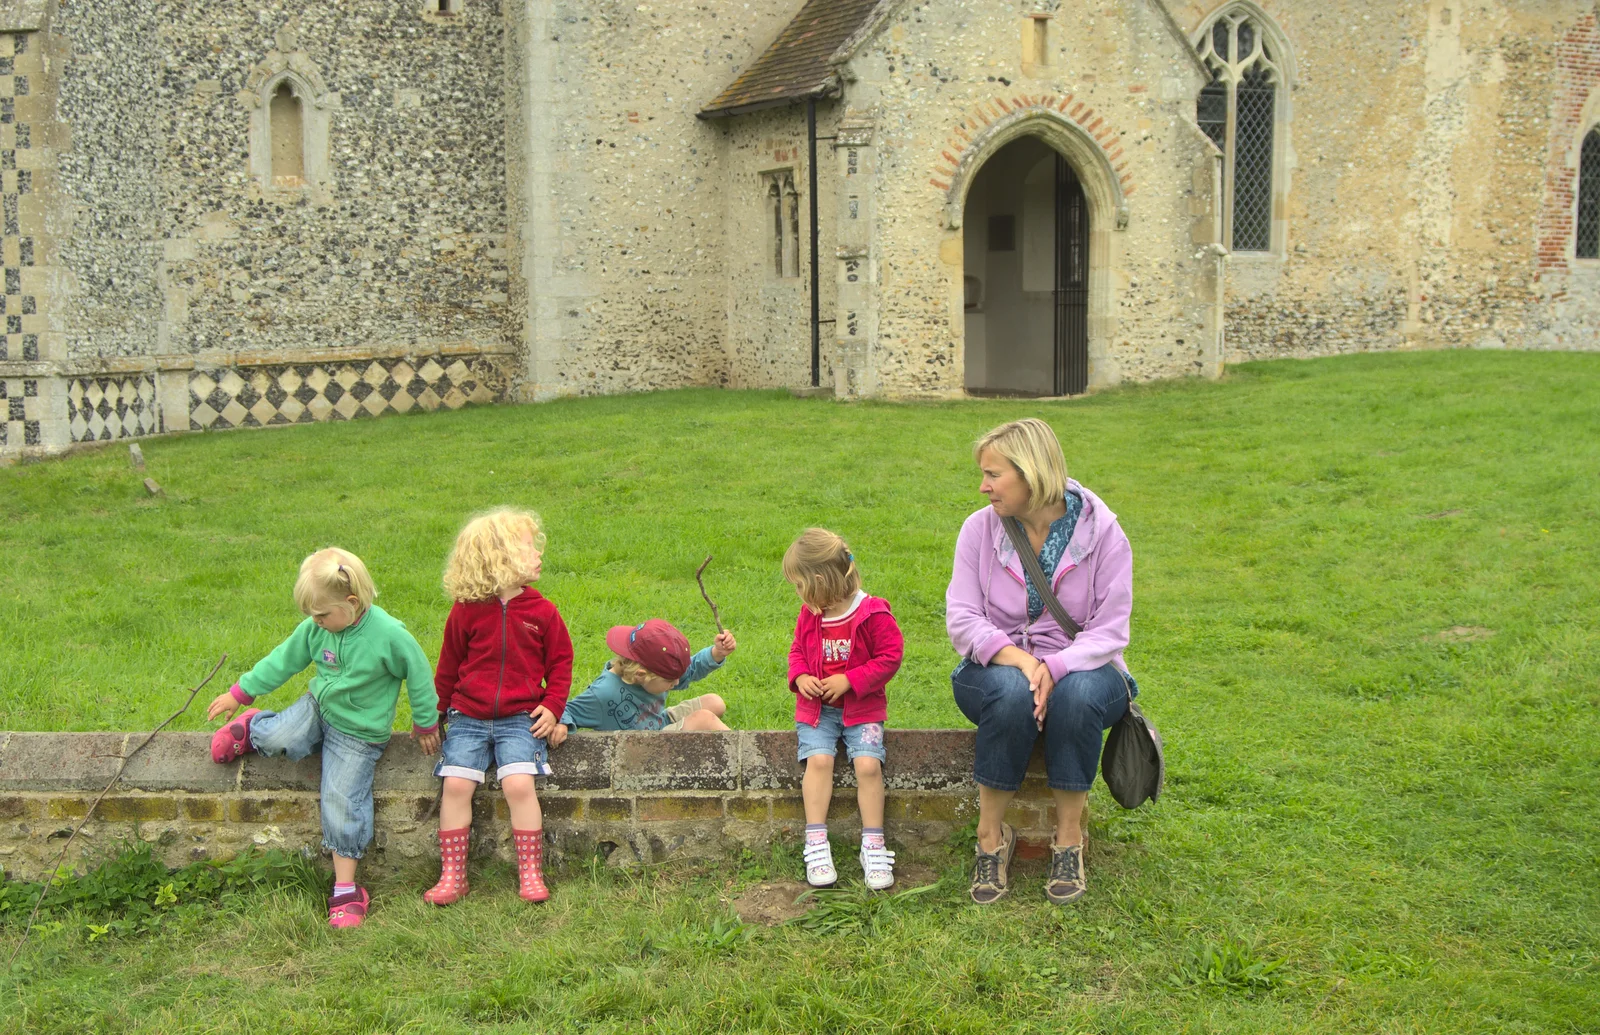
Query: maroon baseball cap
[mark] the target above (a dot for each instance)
(655, 644)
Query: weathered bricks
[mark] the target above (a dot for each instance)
(654, 808)
(682, 761)
(631, 797)
(78, 761)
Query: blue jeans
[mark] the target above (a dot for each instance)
(347, 766)
(864, 738)
(1083, 705)
(471, 745)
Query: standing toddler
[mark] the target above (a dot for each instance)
(505, 668)
(846, 649)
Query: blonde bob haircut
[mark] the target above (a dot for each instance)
(489, 558)
(1033, 449)
(328, 578)
(820, 565)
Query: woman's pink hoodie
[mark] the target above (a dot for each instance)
(986, 606)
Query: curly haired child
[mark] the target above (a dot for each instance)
(505, 669)
(361, 654)
(846, 648)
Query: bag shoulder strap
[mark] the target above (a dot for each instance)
(1036, 575)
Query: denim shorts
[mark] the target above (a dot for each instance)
(472, 745)
(347, 767)
(862, 739)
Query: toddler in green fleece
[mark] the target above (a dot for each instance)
(361, 655)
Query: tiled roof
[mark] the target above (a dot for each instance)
(796, 65)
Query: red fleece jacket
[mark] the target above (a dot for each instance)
(499, 658)
(874, 659)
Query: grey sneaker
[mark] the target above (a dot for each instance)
(991, 874)
(1066, 883)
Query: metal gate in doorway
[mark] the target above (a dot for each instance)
(1072, 283)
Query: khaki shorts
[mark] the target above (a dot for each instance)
(682, 710)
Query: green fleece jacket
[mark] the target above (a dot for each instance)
(359, 670)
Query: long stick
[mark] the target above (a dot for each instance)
(697, 577)
(28, 929)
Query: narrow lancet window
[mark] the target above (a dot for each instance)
(1589, 197)
(288, 138)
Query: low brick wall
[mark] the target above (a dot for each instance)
(630, 797)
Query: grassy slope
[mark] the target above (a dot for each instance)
(1413, 815)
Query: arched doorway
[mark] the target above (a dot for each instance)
(1026, 274)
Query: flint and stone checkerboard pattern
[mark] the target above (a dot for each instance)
(100, 409)
(306, 392)
(20, 396)
(19, 311)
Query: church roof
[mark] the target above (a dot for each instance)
(797, 65)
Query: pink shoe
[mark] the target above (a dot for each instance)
(233, 740)
(349, 909)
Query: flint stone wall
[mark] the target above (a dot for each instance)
(630, 798)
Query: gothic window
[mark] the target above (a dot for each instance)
(442, 7)
(1238, 110)
(1588, 243)
(783, 220)
(289, 117)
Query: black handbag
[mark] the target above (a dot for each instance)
(1132, 763)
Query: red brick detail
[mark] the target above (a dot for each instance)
(1104, 134)
(1140, 88)
(1577, 73)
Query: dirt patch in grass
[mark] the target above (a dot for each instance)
(770, 904)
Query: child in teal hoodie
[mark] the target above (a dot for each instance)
(361, 655)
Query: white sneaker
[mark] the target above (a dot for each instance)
(819, 865)
(877, 867)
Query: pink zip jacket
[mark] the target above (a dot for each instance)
(875, 658)
(986, 606)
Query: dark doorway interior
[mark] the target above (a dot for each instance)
(1026, 275)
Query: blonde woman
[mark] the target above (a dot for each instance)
(505, 669)
(361, 656)
(1022, 676)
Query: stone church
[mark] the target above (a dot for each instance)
(254, 212)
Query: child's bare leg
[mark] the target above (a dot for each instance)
(705, 719)
(455, 806)
(713, 704)
(869, 791)
(816, 788)
(344, 869)
(523, 801)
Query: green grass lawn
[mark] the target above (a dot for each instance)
(1363, 609)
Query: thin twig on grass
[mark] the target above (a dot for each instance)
(34, 914)
(697, 577)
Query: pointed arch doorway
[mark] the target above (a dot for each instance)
(1026, 274)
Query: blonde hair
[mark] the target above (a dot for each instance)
(1033, 449)
(630, 671)
(488, 557)
(820, 565)
(331, 576)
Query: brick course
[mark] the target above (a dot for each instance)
(630, 797)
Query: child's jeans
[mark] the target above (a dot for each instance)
(347, 767)
(472, 745)
(823, 739)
